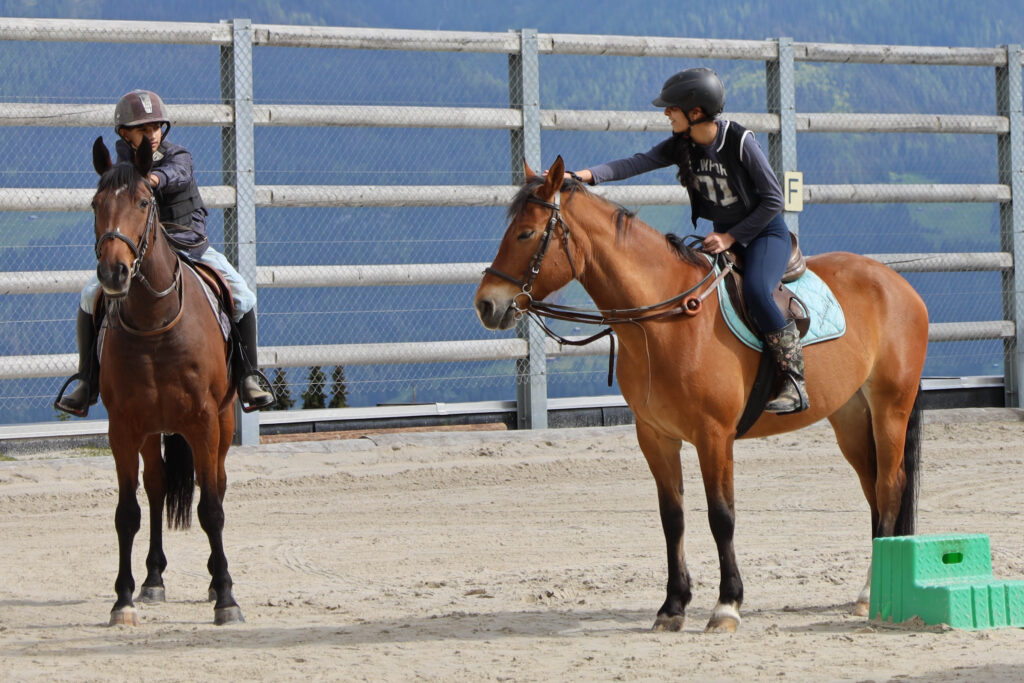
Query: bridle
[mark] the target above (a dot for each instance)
(139, 253)
(687, 303)
(533, 269)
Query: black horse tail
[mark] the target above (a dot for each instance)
(179, 481)
(906, 522)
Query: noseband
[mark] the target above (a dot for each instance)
(139, 251)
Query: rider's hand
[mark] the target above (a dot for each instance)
(717, 242)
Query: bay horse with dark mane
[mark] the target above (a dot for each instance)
(163, 371)
(686, 377)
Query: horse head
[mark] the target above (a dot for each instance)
(516, 276)
(125, 217)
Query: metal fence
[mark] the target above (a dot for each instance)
(359, 177)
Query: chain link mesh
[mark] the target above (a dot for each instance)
(64, 90)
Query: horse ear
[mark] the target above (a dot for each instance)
(554, 176)
(100, 156)
(527, 171)
(144, 158)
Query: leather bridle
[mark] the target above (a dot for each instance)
(687, 303)
(139, 251)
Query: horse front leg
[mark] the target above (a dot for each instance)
(662, 456)
(212, 482)
(716, 464)
(152, 590)
(127, 520)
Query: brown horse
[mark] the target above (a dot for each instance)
(163, 370)
(686, 377)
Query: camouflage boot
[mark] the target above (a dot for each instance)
(785, 348)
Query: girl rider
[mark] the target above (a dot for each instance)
(731, 184)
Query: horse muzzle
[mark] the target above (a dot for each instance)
(115, 278)
(496, 313)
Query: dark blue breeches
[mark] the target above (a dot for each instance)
(764, 262)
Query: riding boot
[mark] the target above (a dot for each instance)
(88, 390)
(785, 348)
(252, 395)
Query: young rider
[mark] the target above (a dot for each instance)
(731, 184)
(140, 118)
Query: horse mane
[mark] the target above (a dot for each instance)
(121, 174)
(624, 218)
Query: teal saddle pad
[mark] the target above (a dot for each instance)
(827, 319)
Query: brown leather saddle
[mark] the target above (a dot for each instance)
(788, 302)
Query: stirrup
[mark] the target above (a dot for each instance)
(250, 408)
(797, 403)
(57, 402)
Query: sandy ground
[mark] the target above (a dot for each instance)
(499, 556)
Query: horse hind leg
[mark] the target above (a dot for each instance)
(152, 590)
(852, 427)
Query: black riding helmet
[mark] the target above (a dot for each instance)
(700, 87)
(140, 107)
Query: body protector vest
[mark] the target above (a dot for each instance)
(735, 174)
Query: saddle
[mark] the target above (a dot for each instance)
(787, 300)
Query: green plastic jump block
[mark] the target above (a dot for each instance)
(942, 579)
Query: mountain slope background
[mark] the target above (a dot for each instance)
(99, 73)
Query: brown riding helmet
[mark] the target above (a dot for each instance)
(138, 108)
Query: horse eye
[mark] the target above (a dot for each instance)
(143, 204)
(525, 235)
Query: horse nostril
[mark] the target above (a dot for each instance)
(484, 309)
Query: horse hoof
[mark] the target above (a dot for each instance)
(669, 622)
(228, 615)
(862, 608)
(725, 619)
(152, 595)
(126, 616)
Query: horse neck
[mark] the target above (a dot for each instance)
(142, 308)
(632, 267)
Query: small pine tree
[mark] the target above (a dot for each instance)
(281, 391)
(339, 391)
(313, 396)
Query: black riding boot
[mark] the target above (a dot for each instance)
(252, 395)
(789, 358)
(88, 390)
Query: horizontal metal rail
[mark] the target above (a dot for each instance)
(294, 196)
(507, 348)
(93, 115)
(412, 274)
(272, 35)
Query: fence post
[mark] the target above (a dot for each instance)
(524, 94)
(238, 164)
(1010, 145)
(780, 81)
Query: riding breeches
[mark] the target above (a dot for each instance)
(242, 296)
(764, 263)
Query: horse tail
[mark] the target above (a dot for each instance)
(907, 519)
(179, 481)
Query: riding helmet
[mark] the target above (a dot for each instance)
(140, 107)
(700, 87)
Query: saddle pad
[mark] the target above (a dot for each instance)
(218, 310)
(827, 319)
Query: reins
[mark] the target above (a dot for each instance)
(687, 303)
